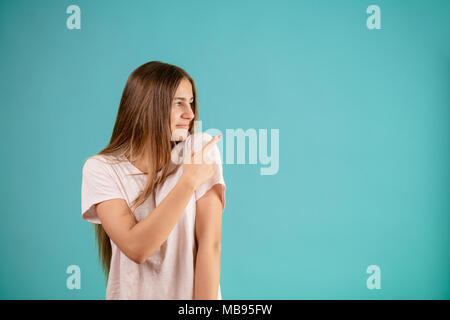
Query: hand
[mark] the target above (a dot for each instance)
(197, 166)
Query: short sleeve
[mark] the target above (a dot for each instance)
(217, 177)
(97, 185)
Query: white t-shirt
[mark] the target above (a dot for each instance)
(169, 273)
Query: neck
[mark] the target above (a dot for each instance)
(142, 165)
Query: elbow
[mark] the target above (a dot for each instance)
(138, 254)
(140, 260)
(135, 254)
(135, 257)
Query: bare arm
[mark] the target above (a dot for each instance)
(138, 240)
(208, 229)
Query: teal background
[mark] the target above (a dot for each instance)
(364, 139)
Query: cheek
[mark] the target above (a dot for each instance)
(173, 118)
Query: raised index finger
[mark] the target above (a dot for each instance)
(210, 144)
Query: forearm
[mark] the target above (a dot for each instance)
(207, 274)
(149, 234)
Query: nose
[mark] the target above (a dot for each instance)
(188, 114)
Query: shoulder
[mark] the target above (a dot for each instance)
(98, 164)
(94, 161)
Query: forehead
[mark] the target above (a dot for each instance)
(184, 89)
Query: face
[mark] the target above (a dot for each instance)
(181, 113)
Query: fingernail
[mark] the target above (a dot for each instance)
(219, 136)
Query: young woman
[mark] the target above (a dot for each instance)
(156, 193)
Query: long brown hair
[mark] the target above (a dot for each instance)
(143, 126)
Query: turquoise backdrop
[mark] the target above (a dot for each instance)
(363, 118)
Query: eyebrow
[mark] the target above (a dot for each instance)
(183, 99)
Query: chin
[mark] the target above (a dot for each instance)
(177, 132)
